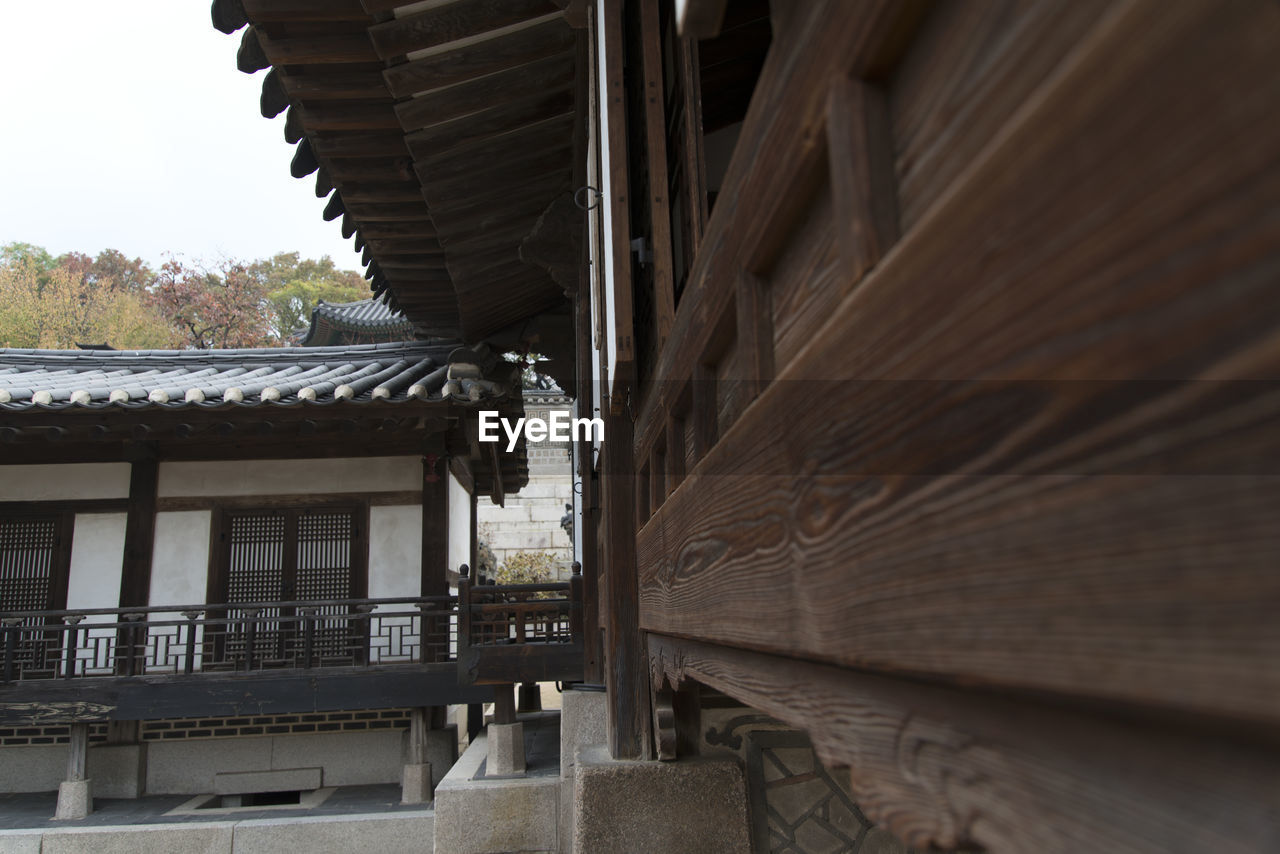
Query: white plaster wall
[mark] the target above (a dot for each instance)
(180, 561)
(62, 482)
(459, 524)
(395, 560)
(97, 558)
(395, 551)
(276, 477)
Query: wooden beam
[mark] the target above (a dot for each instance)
(373, 169)
(41, 702)
(289, 11)
(390, 212)
(398, 230)
(341, 115)
(489, 92)
(387, 498)
(139, 533)
(485, 124)
(380, 191)
(333, 86)
(655, 128)
(318, 49)
(949, 768)
(453, 22)
(550, 131)
(355, 144)
(475, 60)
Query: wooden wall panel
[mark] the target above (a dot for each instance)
(1017, 454)
(947, 768)
(971, 66)
(807, 281)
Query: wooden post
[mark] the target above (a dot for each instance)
(504, 704)
(435, 552)
(435, 526)
(626, 674)
(139, 533)
(419, 723)
(78, 754)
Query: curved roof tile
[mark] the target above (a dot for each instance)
(208, 379)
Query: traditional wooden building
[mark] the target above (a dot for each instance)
(368, 321)
(228, 572)
(936, 344)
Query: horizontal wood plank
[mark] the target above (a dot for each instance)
(390, 498)
(968, 473)
(452, 22)
(960, 769)
(475, 60)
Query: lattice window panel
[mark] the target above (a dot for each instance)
(28, 566)
(28, 549)
(324, 572)
(255, 573)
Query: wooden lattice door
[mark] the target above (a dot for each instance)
(270, 558)
(35, 560)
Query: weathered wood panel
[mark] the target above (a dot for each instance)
(951, 768)
(452, 22)
(41, 702)
(976, 470)
(971, 67)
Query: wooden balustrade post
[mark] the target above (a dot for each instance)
(464, 611)
(576, 600)
(189, 665)
(11, 628)
(250, 636)
(308, 636)
(72, 633)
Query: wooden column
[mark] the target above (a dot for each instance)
(475, 533)
(588, 517)
(626, 672)
(435, 526)
(419, 723)
(139, 533)
(78, 754)
(504, 704)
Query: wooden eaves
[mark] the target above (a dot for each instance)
(441, 137)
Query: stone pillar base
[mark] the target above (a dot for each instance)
(702, 804)
(75, 800)
(415, 784)
(118, 770)
(506, 750)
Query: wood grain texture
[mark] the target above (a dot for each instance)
(950, 768)
(474, 60)
(1067, 521)
(452, 22)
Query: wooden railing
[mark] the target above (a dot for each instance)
(519, 632)
(244, 636)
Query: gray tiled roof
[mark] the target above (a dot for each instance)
(282, 376)
(365, 313)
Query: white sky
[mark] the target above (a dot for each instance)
(127, 125)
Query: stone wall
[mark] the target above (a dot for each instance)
(530, 521)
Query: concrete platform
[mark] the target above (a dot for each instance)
(621, 807)
(34, 811)
(368, 819)
(478, 814)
